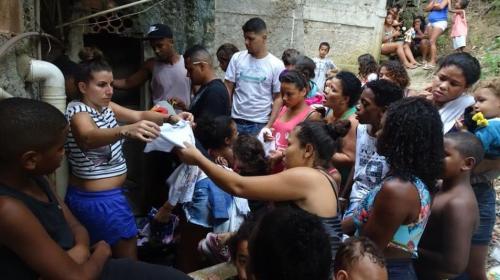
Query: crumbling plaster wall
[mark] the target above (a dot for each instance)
(10, 80)
(352, 27)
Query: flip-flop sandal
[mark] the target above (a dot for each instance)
(429, 67)
(411, 67)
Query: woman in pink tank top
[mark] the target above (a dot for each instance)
(294, 111)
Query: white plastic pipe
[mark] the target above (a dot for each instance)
(53, 92)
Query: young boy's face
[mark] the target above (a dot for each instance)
(453, 160)
(163, 48)
(323, 51)
(367, 111)
(487, 102)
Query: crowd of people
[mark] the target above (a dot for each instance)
(420, 39)
(298, 169)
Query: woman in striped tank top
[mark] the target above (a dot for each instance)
(94, 148)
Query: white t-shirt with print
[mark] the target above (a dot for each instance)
(255, 81)
(369, 169)
(323, 65)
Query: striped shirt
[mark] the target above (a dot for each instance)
(103, 162)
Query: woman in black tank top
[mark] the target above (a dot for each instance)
(303, 184)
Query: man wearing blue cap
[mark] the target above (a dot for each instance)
(166, 70)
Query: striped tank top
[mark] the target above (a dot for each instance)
(103, 162)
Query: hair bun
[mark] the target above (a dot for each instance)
(338, 129)
(90, 54)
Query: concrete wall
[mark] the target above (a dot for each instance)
(10, 80)
(350, 26)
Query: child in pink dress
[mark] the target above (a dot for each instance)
(459, 28)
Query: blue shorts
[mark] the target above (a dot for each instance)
(198, 211)
(401, 269)
(106, 214)
(485, 195)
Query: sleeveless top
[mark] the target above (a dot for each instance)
(283, 129)
(170, 81)
(331, 224)
(407, 236)
(438, 15)
(103, 162)
(51, 218)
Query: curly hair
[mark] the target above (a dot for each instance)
(354, 249)
(396, 72)
(493, 85)
(412, 140)
(325, 138)
(351, 86)
(367, 65)
(290, 244)
(249, 151)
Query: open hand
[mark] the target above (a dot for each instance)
(186, 116)
(142, 130)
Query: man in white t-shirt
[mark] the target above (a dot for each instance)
(252, 80)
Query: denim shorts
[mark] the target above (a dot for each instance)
(485, 195)
(401, 269)
(105, 214)
(248, 127)
(198, 211)
(442, 24)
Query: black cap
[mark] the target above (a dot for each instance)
(159, 31)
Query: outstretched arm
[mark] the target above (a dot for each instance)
(136, 79)
(25, 236)
(292, 184)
